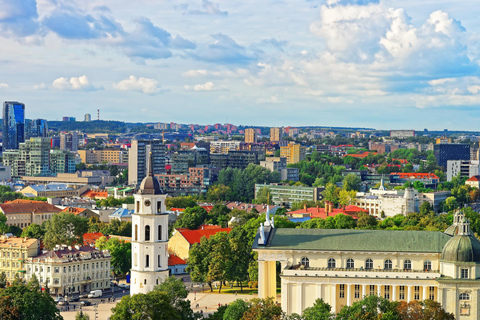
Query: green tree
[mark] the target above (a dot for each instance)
(263, 309)
(241, 255)
(177, 292)
(64, 228)
(219, 192)
(346, 198)
(236, 309)
(155, 305)
(366, 221)
(352, 182)
(198, 261)
(121, 252)
(219, 214)
(191, 218)
(371, 307)
(116, 227)
(3, 279)
(319, 311)
(82, 316)
(263, 196)
(181, 202)
(331, 193)
(34, 231)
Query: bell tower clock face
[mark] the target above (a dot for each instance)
(147, 203)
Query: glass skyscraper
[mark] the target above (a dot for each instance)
(13, 124)
(37, 128)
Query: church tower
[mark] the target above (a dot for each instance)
(149, 236)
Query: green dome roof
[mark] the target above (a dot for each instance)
(452, 230)
(462, 248)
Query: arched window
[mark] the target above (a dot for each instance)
(350, 263)
(159, 232)
(464, 296)
(136, 232)
(331, 263)
(147, 261)
(159, 261)
(427, 265)
(369, 264)
(147, 233)
(387, 264)
(407, 265)
(135, 258)
(305, 261)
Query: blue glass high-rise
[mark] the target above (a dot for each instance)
(13, 124)
(37, 128)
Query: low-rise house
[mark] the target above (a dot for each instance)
(22, 213)
(71, 270)
(182, 239)
(474, 182)
(176, 265)
(13, 252)
(261, 208)
(80, 212)
(122, 214)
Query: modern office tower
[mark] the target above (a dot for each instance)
(37, 128)
(88, 117)
(139, 156)
(450, 151)
(293, 152)
(62, 161)
(69, 141)
(30, 159)
(250, 135)
(276, 134)
(71, 119)
(13, 124)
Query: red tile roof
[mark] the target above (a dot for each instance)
(208, 208)
(173, 260)
(24, 201)
(91, 237)
(407, 175)
(32, 207)
(177, 209)
(360, 155)
(95, 194)
(320, 212)
(73, 210)
(474, 178)
(194, 236)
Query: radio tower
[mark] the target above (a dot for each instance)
(98, 114)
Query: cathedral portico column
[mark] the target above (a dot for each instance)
(379, 290)
(394, 293)
(364, 290)
(319, 291)
(409, 294)
(349, 295)
(424, 297)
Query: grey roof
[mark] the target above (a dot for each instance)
(355, 240)
(50, 187)
(121, 213)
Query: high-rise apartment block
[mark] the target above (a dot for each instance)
(71, 119)
(69, 141)
(276, 134)
(37, 128)
(30, 159)
(250, 135)
(293, 152)
(102, 156)
(88, 117)
(139, 156)
(451, 151)
(13, 124)
(464, 168)
(62, 161)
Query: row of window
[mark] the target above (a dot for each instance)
(401, 292)
(72, 268)
(147, 260)
(7, 254)
(147, 233)
(387, 264)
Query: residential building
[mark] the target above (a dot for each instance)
(182, 160)
(241, 159)
(293, 152)
(121, 214)
(102, 156)
(83, 177)
(306, 214)
(50, 191)
(81, 212)
(183, 239)
(138, 159)
(71, 119)
(279, 164)
(451, 151)
(62, 161)
(343, 266)
(149, 236)
(473, 182)
(260, 208)
(195, 182)
(87, 117)
(464, 168)
(13, 131)
(429, 180)
(5, 173)
(388, 203)
(69, 141)
(13, 252)
(37, 128)
(250, 135)
(402, 134)
(276, 134)
(222, 146)
(30, 158)
(71, 270)
(434, 198)
(285, 195)
(176, 265)
(22, 213)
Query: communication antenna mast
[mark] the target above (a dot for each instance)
(98, 114)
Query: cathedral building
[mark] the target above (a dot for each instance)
(149, 236)
(343, 266)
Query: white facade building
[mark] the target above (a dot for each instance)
(464, 168)
(149, 236)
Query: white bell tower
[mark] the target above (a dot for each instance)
(149, 236)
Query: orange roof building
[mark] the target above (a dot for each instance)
(92, 194)
(328, 211)
(181, 241)
(22, 214)
(176, 265)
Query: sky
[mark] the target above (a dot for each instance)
(356, 63)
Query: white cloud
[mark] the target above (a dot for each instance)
(474, 89)
(439, 82)
(75, 83)
(194, 73)
(3, 85)
(133, 83)
(41, 86)
(207, 86)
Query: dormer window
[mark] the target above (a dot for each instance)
(464, 273)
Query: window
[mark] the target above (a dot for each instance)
(159, 261)
(136, 232)
(305, 261)
(401, 292)
(350, 263)
(159, 206)
(431, 293)
(386, 293)
(464, 296)
(369, 264)
(159, 232)
(147, 261)
(331, 263)
(407, 264)
(341, 292)
(372, 290)
(387, 264)
(138, 206)
(464, 273)
(147, 233)
(427, 265)
(145, 281)
(357, 291)
(135, 257)
(416, 295)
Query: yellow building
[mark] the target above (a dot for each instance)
(182, 239)
(22, 213)
(293, 152)
(250, 135)
(101, 156)
(276, 134)
(13, 252)
(344, 266)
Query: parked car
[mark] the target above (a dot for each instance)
(73, 299)
(124, 286)
(58, 299)
(113, 284)
(86, 303)
(95, 294)
(63, 303)
(83, 296)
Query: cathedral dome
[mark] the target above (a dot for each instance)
(150, 184)
(462, 248)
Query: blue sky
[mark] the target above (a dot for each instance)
(382, 64)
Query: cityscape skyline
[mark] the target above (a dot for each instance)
(206, 61)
